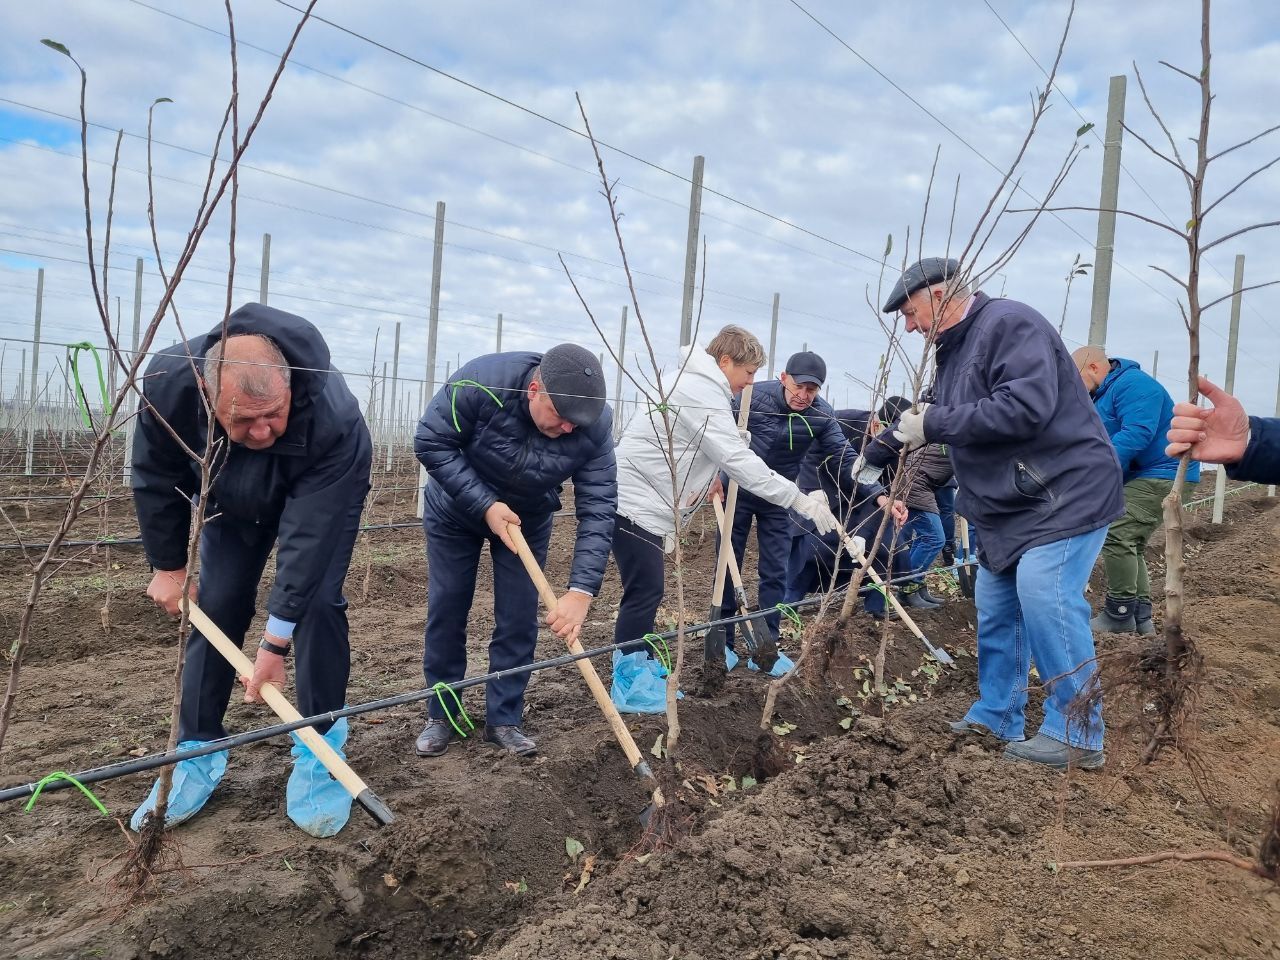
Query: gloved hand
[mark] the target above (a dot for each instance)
(814, 506)
(857, 548)
(745, 435)
(911, 427)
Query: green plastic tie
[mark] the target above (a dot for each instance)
(443, 687)
(663, 654)
(74, 351)
(453, 398)
(791, 444)
(59, 775)
(789, 612)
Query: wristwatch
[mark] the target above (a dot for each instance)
(267, 645)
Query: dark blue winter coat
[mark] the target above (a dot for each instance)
(782, 437)
(1261, 460)
(302, 485)
(1136, 411)
(878, 451)
(480, 446)
(1032, 459)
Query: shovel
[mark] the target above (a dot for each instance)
(713, 641)
(620, 732)
(936, 652)
(286, 711)
(965, 575)
(760, 642)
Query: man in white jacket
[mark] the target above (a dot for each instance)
(704, 440)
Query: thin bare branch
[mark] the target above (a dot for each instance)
(1228, 296)
(1265, 166)
(1244, 143)
(1186, 171)
(1235, 233)
(1126, 213)
(1190, 76)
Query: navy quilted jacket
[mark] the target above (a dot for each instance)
(480, 446)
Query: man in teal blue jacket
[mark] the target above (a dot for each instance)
(1136, 411)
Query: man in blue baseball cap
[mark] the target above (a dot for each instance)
(1039, 477)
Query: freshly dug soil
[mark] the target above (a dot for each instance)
(850, 831)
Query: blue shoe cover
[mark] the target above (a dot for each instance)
(193, 782)
(781, 666)
(730, 659)
(315, 801)
(639, 683)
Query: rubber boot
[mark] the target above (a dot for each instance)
(316, 802)
(1145, 625)
(912, 597)
(194, 781)
(926, 595)
(1118, 615)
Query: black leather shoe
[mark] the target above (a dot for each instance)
(434, 738)
(512, 739)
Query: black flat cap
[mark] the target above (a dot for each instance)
(926, 273)
(575, 381)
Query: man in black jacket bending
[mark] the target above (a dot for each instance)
(1040, 479)
(290, 469)
(498, 440)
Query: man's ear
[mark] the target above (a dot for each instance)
(534, 388)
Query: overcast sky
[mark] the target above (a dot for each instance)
(814, 157)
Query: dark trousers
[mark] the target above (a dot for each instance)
(453, 554)
(802, 567)
(640, 560)
(773, 538)
(232, 558)
(946, 497)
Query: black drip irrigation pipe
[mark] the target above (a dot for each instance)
(114, 770)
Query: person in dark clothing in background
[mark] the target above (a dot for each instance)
(927, 470)
(812, 563)
(788, 420)
(291, 470)
(1040, 479)
(1136, 412)
(497, 441)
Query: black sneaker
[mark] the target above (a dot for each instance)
(434, 738)
(512, 739)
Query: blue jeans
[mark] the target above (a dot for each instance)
(923, 536)
(773, 537)
(1037, 610)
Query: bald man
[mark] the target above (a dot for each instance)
(291, 457)
(1136, 412)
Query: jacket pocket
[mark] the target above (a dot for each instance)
(1029, 483)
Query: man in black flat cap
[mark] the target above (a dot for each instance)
(498, 440)
(1039, 479)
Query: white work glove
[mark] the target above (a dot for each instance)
(745, 435)
(911, 428)
(857, 548)
(814, 506)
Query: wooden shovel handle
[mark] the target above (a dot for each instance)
(585, 667)
(730, 560)
(889, 595)
(286, 711)
(724, 558)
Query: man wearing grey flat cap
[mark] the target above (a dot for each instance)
(1039, 479)
(498, 440)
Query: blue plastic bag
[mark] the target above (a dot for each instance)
(783, 665)
(639, 683)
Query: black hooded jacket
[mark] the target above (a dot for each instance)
(301, 486)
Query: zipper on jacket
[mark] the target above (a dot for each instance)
(1035, 477)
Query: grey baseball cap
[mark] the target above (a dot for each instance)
(926, 273)
(575, 381)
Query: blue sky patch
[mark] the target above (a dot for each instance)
(20, 125)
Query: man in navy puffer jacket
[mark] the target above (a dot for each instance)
(1039, 478)
(1135, 411)
(788, 418)
(498, 440)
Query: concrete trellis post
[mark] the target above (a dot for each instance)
(35, 372)
(1233, 340)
